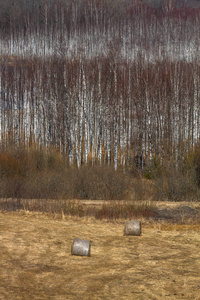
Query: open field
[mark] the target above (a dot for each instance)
(36, 260)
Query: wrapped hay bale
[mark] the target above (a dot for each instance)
(81, 247)
(132, 228)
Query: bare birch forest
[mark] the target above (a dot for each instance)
(101, 80)
(109, 82)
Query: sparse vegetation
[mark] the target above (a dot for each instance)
(40, 173)
(45, 174)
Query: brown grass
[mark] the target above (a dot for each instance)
(36, 260)
(175, 212)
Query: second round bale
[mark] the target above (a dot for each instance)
(132, 228)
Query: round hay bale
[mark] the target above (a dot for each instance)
(81, 247)
(132, 228)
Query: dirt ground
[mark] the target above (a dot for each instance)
(36, 260)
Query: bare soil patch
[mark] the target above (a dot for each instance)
(36, 260)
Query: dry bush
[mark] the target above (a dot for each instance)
(193, 163)
(126, 211)
(44, 174)
(174, 181)
(9, 166)
(175, 187)
(38, 173)
(32, 173)
(143, 189)
(96, 182)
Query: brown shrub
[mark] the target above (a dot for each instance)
(96, 182)
(44, 174)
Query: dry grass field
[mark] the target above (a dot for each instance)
(36, 260)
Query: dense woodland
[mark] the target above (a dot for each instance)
(110, 82)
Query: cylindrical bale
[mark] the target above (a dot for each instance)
(132, 228)
(81, 247)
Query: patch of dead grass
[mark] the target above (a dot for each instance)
(36, 260)
(180, 227)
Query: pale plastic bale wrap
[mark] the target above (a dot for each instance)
(81, 247)
(132, 228)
